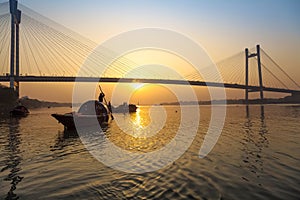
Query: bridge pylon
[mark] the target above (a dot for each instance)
(261, 87)
(14, 46)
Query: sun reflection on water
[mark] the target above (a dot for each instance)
(146, 130)
(139, 123)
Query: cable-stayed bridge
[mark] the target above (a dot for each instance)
(34, 48)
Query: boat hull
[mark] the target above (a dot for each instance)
(73, 120)
(19, 111)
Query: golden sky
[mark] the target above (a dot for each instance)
(222, 28)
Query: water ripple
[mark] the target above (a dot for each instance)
(256, 157)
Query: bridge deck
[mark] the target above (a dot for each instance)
(132, 80)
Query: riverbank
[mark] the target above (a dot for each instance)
(35, 103)
(286, 100)
(6, 107)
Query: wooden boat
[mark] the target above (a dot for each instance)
(19, 111)
(91, 113)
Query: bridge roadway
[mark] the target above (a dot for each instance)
(132, 80)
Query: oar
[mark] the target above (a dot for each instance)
(103, 93)
(106, 102)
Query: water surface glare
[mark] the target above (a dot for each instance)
(256, 157)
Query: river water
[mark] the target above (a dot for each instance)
(257, 156)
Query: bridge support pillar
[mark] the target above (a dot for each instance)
(14, 47)
(261, 88)
(246, 76)
(18, 21)
(13, 8)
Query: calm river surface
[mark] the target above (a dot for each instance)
(256, 157)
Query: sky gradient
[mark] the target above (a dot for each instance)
(223, 28)
(218, 25)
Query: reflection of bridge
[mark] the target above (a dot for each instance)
(44, 51)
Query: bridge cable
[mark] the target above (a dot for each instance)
(281, 69)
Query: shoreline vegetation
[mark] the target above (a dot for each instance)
(35, 103)
(6, 107)
(292, 99)
(236, 101)
(9, 99)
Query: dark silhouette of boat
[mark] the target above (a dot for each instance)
(90, 113)
(125, 108)
(19, 111)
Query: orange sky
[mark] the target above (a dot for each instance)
(221, 28)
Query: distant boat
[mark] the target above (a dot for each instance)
(86, 115)
(19, 111)
(125, 108)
